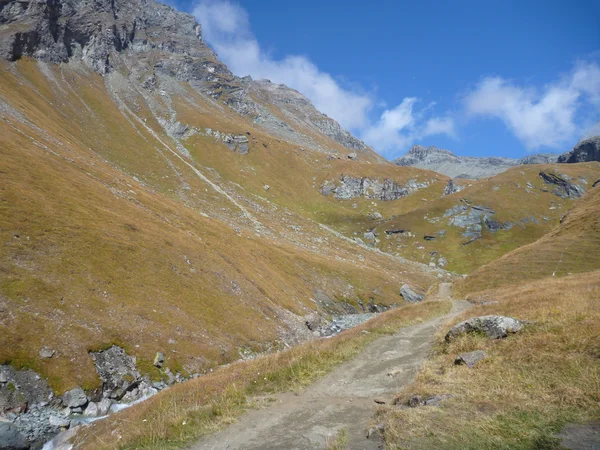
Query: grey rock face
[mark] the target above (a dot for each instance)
(585, 150)
(562, 187)
(11, 438)
(117, 371)
(473, 219)
(59, 422)
(494, 327)
(21, 389)
(75, 398)
(237, 143)
(352, 187)
(446, 162)
(409, 295)
(470, 358)
(452, 188)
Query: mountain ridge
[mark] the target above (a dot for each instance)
(448, 163)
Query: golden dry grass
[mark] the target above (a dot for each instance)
(531, 384)
(183, 413)
(108, 238)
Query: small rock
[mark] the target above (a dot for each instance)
(266, 187)
(494, 327)
(352, 156)
(11, 438)
(470, 358)
(442, 262)
(379, 401)
(46, 352)
(409, 295)
(59, 422)
(75, 398)
(159, 359)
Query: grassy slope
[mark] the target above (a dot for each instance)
(507, 194)
(571, 247)
(532, 383)
(107, 237)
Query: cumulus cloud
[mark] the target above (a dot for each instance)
(548, 117)
(226, 27)
(399, 128)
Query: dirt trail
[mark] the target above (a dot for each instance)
(344, 399)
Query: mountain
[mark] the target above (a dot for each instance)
(447, 163)
(587, 149)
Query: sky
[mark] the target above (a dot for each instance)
(480, 78)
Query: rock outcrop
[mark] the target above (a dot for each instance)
(353, 187)
(117, 371)
(11, 438)
(409, 295)
(586, 150)
(494, 327)
(21, 389)
(562, 187)
(447, 163)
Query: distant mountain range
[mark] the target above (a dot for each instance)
(447, 163)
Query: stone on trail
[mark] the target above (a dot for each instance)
(409, 295)
(470, 358)
(494, 327)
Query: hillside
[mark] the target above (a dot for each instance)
(569, 248)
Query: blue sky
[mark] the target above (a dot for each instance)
(482, 78)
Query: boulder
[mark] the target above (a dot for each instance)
(91, 410)
(59, 422)
(470, 358)
(11, 438)
(494, 327)
(104, 406)
(117, 371)
(75, 398)
(409, 295)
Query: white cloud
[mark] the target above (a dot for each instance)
(538, 118)
(397, 129)
(226, 27)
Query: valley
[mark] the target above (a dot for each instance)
(212, 244)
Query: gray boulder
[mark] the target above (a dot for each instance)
(46, 352)
(471, 358)
(75, 398)
(409, 295)
(494, 327)
(117, 371)
(452, 188)
(59, 422)
(11, 438)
